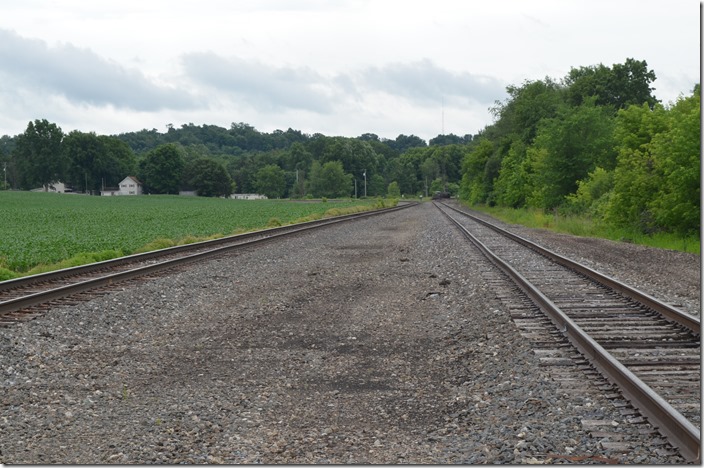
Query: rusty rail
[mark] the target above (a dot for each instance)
(679, 431)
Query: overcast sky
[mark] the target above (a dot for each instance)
(337, 67)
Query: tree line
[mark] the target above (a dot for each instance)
(215, 161)
(596, 143)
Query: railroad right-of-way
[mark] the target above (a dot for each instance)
(648, 349)
(382, 340)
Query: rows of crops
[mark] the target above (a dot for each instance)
(45, 228)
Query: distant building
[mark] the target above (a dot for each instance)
(248, 196)
(130, 185)
(54, 187)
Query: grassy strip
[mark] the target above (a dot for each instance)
(587, 227)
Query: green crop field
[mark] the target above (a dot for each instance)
(47, 228)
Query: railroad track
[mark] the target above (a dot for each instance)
(27, 297)
(649, 350)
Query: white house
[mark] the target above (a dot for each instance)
(130, 185)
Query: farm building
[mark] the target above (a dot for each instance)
(248, 196)
(54, 187)
(130, 185)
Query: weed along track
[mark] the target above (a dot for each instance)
(385, 340)
(649, 350)
(26, 298)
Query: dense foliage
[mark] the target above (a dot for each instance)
(215, 161)
(596, 144)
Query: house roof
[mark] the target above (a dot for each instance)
(133, 178)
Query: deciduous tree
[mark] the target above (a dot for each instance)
(209, 178)
(635, 177)
(161, 169)
(97, 161)
(618, 86)
(38, 154)
(677, 154)
(330, 180)
(270, 180)
(568, 147)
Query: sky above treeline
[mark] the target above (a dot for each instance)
(336, 67)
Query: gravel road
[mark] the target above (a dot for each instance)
(377, 341)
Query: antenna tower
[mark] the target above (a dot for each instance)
(443, 115)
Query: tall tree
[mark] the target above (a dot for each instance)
(635, 177)
(448, 139)
(209, 178)
(677, 154)
(38, 154)
(97, 161)
(513, 185)
(567, 148)
(404, 171)
(429, 170)
(449, 161)
(117, 161)
(355, 155)
(161, 169)
(524, 109)
(270, 180)
(330, 180)
(406, 142)
(82, 150)
(299, 158)
(619, 86)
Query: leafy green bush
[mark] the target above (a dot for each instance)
(593, 194)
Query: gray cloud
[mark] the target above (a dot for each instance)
(425, 83)
(207, 81)
(262, 86)
(82, 76)
(268, 87)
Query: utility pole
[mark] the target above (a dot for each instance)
(365, 183)
(355, 187)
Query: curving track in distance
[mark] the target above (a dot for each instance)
(650, 350)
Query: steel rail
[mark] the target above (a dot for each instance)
(667, 311)
(679, 431)
(82, 269)
(89, 284)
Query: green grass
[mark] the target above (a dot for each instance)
(587, 227)
(46, 231)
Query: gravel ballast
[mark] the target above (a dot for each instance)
(375, 341)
